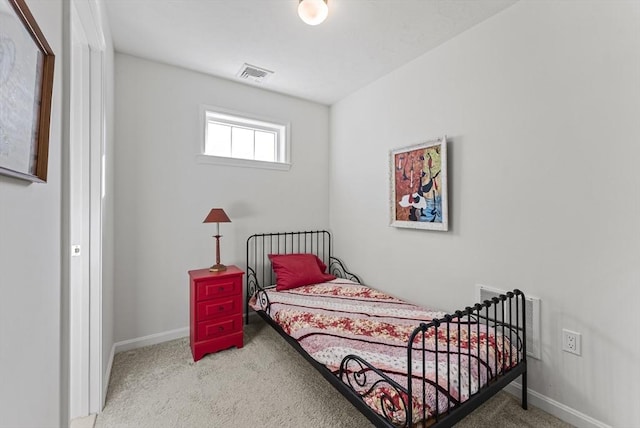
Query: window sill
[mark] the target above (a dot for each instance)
(244, 163)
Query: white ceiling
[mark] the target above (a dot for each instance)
(361, 40)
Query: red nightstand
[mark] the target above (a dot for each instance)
(216, 310)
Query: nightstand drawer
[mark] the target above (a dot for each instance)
(218, 288)
(213, 329)
(219, 308)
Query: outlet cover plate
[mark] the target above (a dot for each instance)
(571, 342)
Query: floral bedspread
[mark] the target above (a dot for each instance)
(338, 318)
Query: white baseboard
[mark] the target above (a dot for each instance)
(107, 377)
(555, 408)
(152, 339)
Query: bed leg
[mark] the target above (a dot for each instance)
(524, 390)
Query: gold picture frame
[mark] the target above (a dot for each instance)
(26, 87)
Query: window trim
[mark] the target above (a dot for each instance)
(253, 121)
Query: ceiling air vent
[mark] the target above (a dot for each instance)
(254, 74)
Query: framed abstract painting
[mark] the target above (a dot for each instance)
(419, 197)
(26, 85)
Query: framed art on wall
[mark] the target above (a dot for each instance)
(419, 198)
(26, 85)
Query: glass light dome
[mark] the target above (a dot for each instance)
(313, 12)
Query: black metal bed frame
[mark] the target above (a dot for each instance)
(352, 376)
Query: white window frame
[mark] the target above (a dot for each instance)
(234, 118)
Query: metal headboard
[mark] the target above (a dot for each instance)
(260, 274)
(259, 247)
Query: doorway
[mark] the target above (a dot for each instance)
(83, 208)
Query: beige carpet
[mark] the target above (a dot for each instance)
(265, 384)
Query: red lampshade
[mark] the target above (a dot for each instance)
(217, 215)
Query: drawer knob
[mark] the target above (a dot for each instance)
(220, 288)
(220, 328)
(221, 308)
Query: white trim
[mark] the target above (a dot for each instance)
(284, 148)
(90, 17)
(245, 163)
(96, 117)
(107, 377)
(152, 339)
(82, 207)
(555, 408)
(81, 379)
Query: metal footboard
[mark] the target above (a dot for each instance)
(507, 323)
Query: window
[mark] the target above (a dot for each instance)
(235, 139)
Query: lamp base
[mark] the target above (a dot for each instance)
(217, 268)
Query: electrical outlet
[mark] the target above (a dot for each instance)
(571, 342)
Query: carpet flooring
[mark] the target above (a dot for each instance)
(266, 384)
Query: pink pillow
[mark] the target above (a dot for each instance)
(296, 270)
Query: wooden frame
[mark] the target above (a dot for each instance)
(419, 194)
(26, 87)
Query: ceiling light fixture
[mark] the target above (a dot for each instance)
(313, 12)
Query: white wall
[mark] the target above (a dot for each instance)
(541, 104)
(162, 194)
(30, 284)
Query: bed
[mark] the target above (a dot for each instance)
(401, 365)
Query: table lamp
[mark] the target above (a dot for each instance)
(217, 215)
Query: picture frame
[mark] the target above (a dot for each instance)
(26, 88)
(419, 193)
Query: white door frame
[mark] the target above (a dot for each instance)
(85, 194)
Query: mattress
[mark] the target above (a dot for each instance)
(338, 318)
